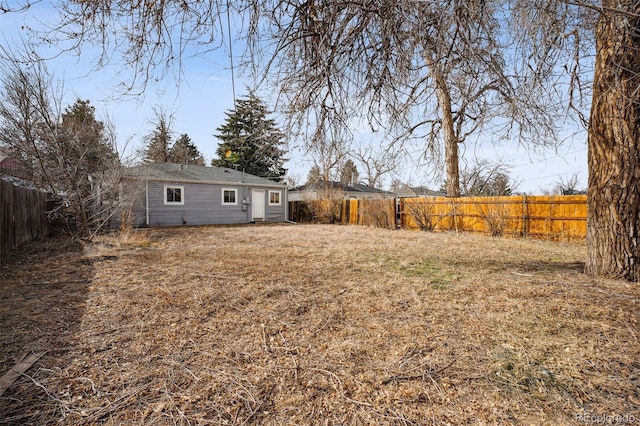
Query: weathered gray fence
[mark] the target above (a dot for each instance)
(23, 216)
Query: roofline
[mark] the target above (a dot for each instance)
(210, 182)
(355, 190)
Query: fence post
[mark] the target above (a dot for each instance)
(525, 216)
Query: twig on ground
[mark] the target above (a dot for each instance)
(418, 376)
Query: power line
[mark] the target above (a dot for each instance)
(542, 160)
(233, 79)
(553, 175)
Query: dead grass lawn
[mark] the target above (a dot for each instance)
(313, 324)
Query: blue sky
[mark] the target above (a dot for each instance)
(199, 102)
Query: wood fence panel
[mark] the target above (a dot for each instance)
(379, 213)
(22, 215)
(551, 217)
(319, 211)
(350, 212)
(558, 217)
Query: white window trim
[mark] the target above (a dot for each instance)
(279, 203)
(173, 203)
(236, 197)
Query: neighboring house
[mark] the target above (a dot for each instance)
(407, 191)
(10, 166)
(328, 189)
(174, 194)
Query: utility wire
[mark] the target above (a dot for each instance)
(233, 79)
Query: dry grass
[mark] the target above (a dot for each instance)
(316, 324)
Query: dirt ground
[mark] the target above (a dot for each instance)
(316, 324)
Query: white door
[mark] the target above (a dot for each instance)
(257, 205)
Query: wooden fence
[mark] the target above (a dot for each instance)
(22, 216)
(550, 217)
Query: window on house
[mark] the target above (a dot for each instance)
(174, 194)
(229, 196)
(274, 198)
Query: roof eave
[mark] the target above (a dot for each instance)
(208, 182)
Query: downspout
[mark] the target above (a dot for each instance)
(246, 203)
(146, 196)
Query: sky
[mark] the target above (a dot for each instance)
(198, 103)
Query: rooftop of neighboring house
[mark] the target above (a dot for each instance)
(11, 166)
(418, 191)
(356, 190)
(339, 186)
(171, 172)
(4, 155)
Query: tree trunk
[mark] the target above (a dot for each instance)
(614, 146)
(451, 160)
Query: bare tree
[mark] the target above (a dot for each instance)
(69, 153)
(292, 180)
(158, 141)
(327, 154)
(377, 161)
(27, 118)
(158, 34)
(442, 70)
(568, 185)
(483, 177)
(396, 184)
(7, 6)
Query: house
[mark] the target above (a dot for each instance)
(175, 194)
(406, 191)
(11, 166)
(337, 190)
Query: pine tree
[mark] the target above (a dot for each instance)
(250, 141)
(349, 173)
(314, 175)
(184, 151)
(83, 140)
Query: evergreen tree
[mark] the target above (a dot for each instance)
(184, 151)
(250, 141)
(349, 173)
(501, 185)
(83, 140)
(314, 175)
(78, 153)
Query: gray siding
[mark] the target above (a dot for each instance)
(272, 213)
(140, 211)
(203, 205)
(139, 218)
